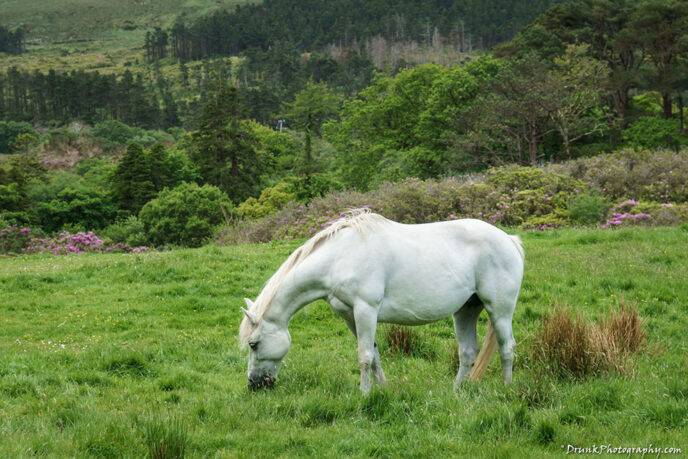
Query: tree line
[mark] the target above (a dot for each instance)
(57, 97)
(312, 24)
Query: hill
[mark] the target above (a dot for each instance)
(93, 34)
(119, 355)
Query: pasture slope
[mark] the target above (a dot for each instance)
(127, 355)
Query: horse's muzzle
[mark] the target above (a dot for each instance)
(261, 382)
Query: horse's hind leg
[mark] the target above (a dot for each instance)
(501, 310)
(347, 313)
(465, 320)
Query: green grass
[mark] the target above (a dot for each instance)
(134, 355)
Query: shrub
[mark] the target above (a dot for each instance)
(76, 207)
(129, 231)
(588, 209)
(66, 243)
(532, 198)
(186, 215)
(660, 176)
(270, 201)
(114, 131)
(545, 222)
(402, 340)
(563, 345)
(531, 192)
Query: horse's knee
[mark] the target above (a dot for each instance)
(467, 356)
(366, 358)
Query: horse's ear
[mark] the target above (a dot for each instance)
(250, 316)
(249, 303)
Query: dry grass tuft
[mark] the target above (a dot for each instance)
(625, 328)
(402, 340)
(570, 346)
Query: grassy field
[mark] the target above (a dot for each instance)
(98, 35)
(126, 355)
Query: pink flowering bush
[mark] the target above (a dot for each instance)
(633, 212)
(14, 240)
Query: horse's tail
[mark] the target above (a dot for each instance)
(483, 359)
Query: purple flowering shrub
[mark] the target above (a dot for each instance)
(633, 212)
(14, 240)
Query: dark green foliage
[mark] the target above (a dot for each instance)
(9, 131)
(11, 41)
(114, 131)
(545, 432)
(76, 207)
(15, 176)
(129, 231)
(132, 181)
(654, 132)
(186, 215)
(588, 209)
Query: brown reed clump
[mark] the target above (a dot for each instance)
(569, 346)
(563, 345)
(625, 329)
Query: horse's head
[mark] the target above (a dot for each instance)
(268, 344)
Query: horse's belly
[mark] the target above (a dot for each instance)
(422, 307)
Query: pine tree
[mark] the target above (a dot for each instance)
(133, 185)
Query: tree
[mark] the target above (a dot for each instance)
(578, 81)
(531, 100)
(605, 25)
(224, 147)
(312, 106)
(513, 117)
(661, 30)
(132, 182)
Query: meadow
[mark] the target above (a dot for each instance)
(126, 355)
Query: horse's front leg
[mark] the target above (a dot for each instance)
(365, 318)
(346, 312)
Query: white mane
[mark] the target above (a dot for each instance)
(361, 219)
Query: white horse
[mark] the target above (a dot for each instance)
(370, 269)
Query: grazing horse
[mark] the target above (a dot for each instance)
(370, 269)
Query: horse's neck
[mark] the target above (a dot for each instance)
(305, 284)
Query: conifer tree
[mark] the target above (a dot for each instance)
(133, 185)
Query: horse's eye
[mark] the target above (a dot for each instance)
(253, 345)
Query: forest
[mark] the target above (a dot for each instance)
(257, 124)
